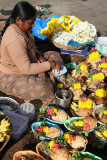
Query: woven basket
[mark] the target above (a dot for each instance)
(3, 144)
(58, 45)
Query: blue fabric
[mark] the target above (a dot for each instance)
(74, 43)
(41, 24)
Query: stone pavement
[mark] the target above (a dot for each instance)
(93, 11)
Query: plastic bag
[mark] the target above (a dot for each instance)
(40, 24)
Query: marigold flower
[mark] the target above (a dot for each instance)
(105, 112)
(79, 123)
(101, 93)
(99, 76)
(83, 67)
(45, 129)
(77, 85)
(94, 55)
(66, 135)
(51, 144)
(55, 110)
(105, 133)
(103, 65)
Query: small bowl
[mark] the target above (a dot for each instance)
(50, 120)
(37, 124)
(100, 139)
(15, 156)
(96, 111)
(87, 154)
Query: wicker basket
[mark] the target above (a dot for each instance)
(3, 144)
(58, 45)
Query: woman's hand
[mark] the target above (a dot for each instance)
(54, 64)
(42, 59)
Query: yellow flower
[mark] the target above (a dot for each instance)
(68, 141)
(79, 123)
(105, 112)
(74, 106)
(55, 110)
(94, 55)
(99, 134)
(83, 67)
(77, 85)
(105, 133)
(51, 144)
(101, 93)
(66, 135)
(45, 129)
(103, 65)
(99, 76)
(87, 104)
(59, 85)
(43, 109)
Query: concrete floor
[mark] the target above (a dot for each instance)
(93, 11)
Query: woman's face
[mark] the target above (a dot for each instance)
(27, 25)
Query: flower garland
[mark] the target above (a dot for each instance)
(53, 145)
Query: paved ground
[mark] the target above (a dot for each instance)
(93, 11)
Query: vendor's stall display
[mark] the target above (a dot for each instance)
(84, 156)
(82, 107)
(5, 130)
(100, 113)
(7, 103)
(101, 45)
(53, 114)
(27, 155)
(75, 142)
(46, 131)
(53, 150)
(101, 133)
(93, 57)
(81, 124)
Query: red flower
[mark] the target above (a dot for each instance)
(98, 68)
(55, 145)
(92, 49)
(80, 78)
(51, 153)
(40, 129)
(72, 137)
(103, 60)
(86, 127)
(84, 99)
(103, 84)
(85, 63)
(50, 111)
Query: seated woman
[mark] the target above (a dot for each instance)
(23, 71)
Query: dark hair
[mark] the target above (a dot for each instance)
(23, 10)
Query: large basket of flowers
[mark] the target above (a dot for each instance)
(69, 32)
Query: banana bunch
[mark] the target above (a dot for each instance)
(4, 129)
